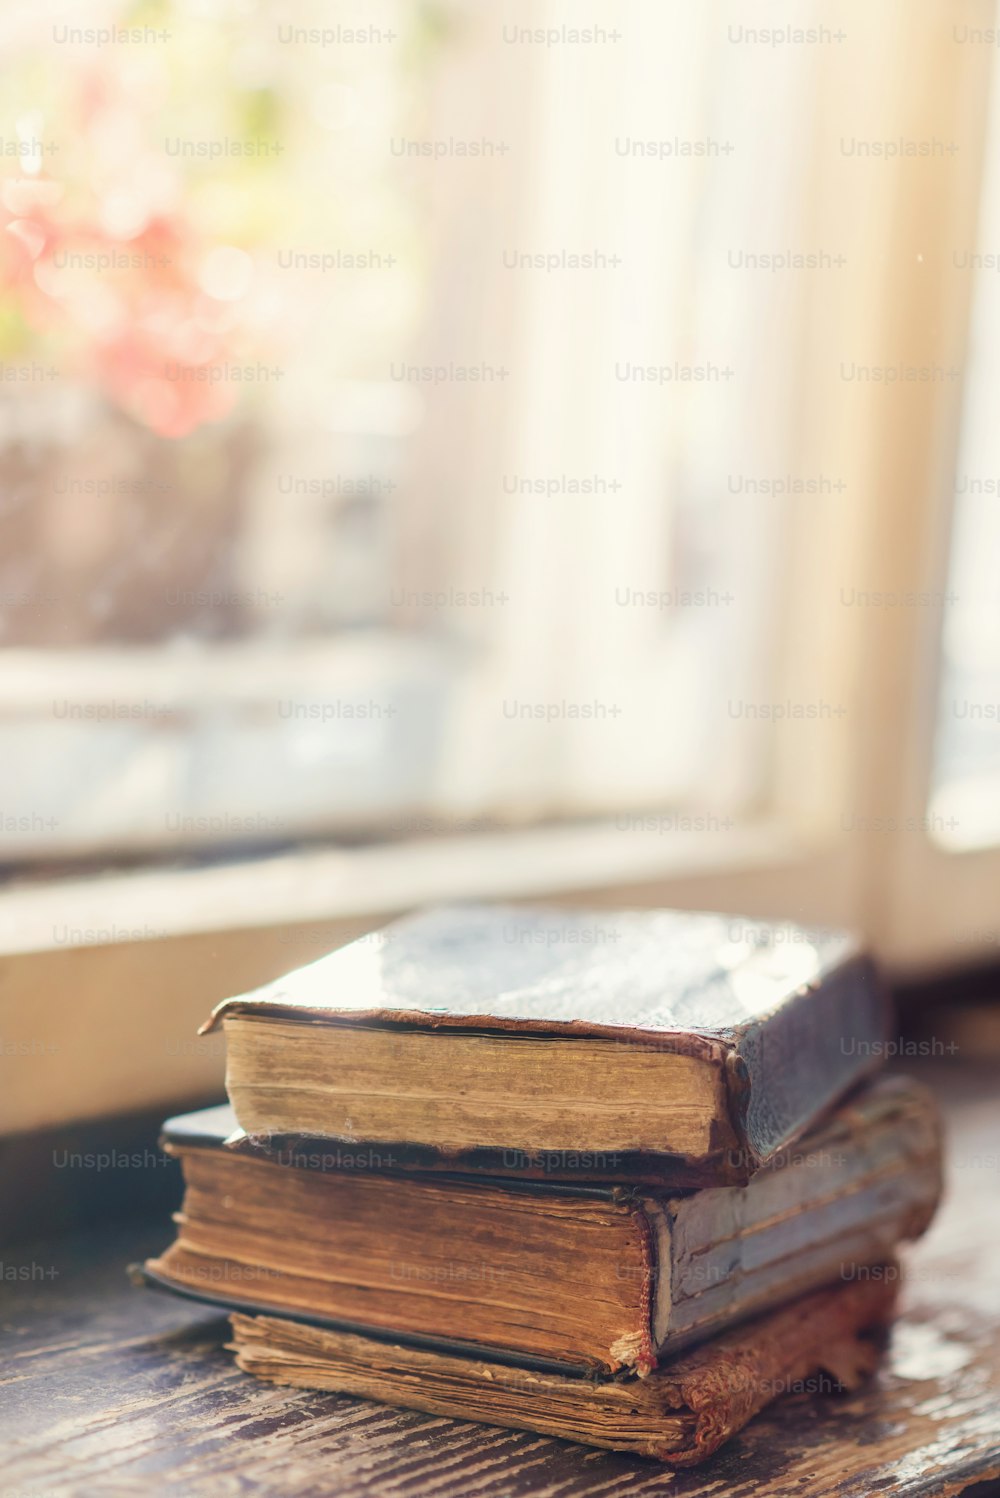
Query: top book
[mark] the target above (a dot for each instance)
(651, 1046)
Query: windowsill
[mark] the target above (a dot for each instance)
(376, 880)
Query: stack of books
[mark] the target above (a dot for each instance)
(618, 1177)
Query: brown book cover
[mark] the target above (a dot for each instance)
(501, 1267)
(658, 1046)
(679, 1415)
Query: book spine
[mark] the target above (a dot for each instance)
(790, 1067)
(640, 1354)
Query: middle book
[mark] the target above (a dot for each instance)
(600, 1278)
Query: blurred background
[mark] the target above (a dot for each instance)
(447, 449)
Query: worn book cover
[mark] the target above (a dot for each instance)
(658, 1046)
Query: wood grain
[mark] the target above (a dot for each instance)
(109, 1390)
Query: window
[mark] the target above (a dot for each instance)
(425, 419)
(965, 804)
(379, 437)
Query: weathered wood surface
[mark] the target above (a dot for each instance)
(109, 1390)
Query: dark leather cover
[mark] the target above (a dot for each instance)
(794, 1016)
(217, 1128)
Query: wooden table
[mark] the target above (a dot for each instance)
(109, 1390)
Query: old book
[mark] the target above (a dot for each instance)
(681, 1414)
(657, 1046)
(598, 1278)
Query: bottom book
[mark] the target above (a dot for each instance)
(680, 1414)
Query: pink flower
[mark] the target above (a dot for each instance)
(132, 311)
